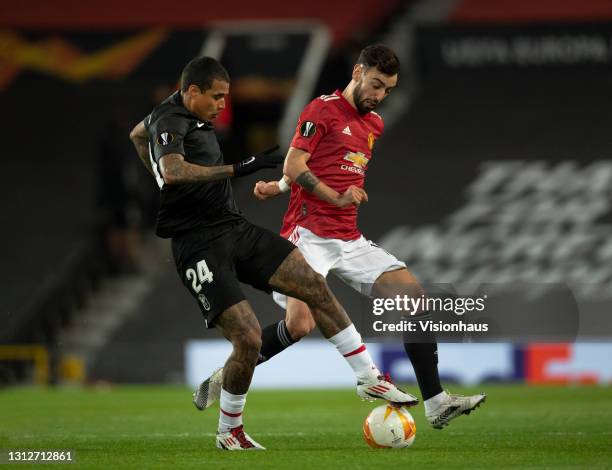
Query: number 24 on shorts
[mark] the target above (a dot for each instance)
(199, 275)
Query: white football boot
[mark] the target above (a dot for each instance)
(237, 439)
(209, 391)
(383, 388)
(452, 407)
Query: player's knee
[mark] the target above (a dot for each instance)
(251, 341)
(316, 285)
(247, 341)
(313, 289)
(301, 328)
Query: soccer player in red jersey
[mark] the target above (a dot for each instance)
(325, 170)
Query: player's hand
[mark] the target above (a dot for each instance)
(353, 195)
(258, 161)
(265, 190)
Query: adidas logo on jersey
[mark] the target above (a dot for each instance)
(347, 131)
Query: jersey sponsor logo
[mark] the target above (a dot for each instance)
(308, 129)
(358, 159)
(359, 162)
(347, 130)
(165, 138)
(353, 169)
(371, 140)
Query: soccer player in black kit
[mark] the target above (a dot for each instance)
(215, 247)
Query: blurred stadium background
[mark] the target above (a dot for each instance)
(495, 166)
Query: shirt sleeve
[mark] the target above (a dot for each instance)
(311, 127)
(167, 134)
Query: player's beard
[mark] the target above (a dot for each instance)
(360, 104)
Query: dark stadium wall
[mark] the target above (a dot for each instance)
(532, 11)
(345, 18)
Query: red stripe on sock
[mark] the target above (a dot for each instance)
(360, 349)
(231, 415)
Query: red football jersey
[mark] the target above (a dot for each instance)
(340, 142)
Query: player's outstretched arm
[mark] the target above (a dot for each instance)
(176, 170)
(140, 138)
(296, 168)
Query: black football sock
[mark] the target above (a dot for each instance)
(422, 350)
(274, 339)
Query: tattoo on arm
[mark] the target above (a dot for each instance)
(190, 173)
(176, 170)
(142, 147)
(307, 180)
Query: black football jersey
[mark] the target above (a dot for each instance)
(190, 206)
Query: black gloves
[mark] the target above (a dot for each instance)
(258, 161)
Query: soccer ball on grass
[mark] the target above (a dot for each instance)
(389, 427)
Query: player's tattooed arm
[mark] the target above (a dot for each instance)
(307, 180)
(140, 138)
(175, 170)
(296, 168)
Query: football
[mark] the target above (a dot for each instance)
(389, 427)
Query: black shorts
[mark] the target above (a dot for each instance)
(211, 263)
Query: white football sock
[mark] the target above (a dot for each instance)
(230, 412)
(348, 343)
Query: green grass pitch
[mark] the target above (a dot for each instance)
(158, 427)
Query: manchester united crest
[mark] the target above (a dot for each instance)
(371, 140)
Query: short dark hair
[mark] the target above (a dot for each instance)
(202, 71)
(381, 57)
